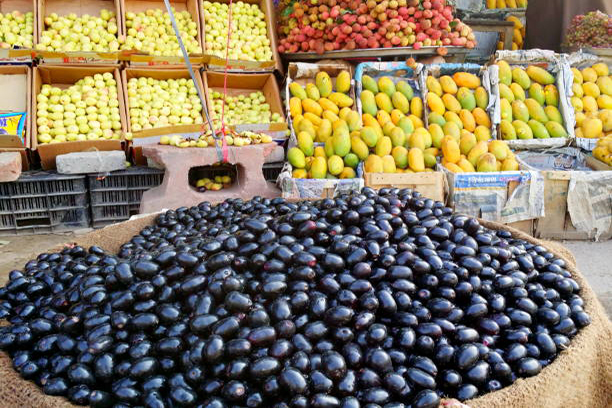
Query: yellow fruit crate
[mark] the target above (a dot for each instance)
(429, 184)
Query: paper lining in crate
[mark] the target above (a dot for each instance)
(16, 56)
(574, 183)
(489, 79)
(582, 60)
(305, 72)
(396, 71)
(309, 189)
(505, 197)
(559, 68)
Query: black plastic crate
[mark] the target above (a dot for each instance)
(42, 202)
(272, 170)
(116, 196)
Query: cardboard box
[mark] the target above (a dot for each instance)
(429, 184)
(23, 56)
(577, 190)
(19, 86)
(65, 7)
(143, 59)
(240, 84)
(63, 77)
(217, 63)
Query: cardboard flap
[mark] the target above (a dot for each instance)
(48, 152)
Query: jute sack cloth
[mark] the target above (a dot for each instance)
(581, 377)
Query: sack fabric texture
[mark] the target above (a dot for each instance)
(580, 377)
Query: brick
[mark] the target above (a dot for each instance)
(175, 190)
(10, 166)
(90, 162)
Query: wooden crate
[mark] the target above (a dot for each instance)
(557, 224)
(429, 184)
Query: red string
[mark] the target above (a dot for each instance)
(224, 147)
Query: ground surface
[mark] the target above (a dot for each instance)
(594, 258)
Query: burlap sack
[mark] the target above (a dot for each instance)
(581, 377)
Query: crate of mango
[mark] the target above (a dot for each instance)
(534, 104)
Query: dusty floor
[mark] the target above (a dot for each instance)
(593, 258)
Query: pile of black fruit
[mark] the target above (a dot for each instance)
(368, 300)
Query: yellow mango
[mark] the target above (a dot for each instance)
(329, 115)
(540, 75)
(467, 142)
(359, 147)
(316, 120)
(341, 100)
(297, 120)
(430, 160)
(415, 160)
(536, 91)
(343, 82)
(406, 125)
(400, 102)
(295, 106)
(433, 85)
(398, 137)
(590, 104)
(353, 121)
(481, 117)
(396, 115)
(329, 147)
(580, 117)
(416, 107)
(311, 106)
(297, 90)
(453, 168)
(386, 86)
(551, 95)
(517, 37)
(448, 85)
(326, 104)
(383, 101)
(369, 84)
(509, 165)
(555, 129)
(343, 113)
(601, 69)
(506, 93)
(436, 118)
(577, 103)
(523, 131)
(553, 114)
(499, 149)
(577, 76)
(451, 129)
(312, 92)
(577, 90)
(306, 126)
(382, 117)
(589, 75)
(368, 102)
(417, 140)
(434, 151)
(400, 155)
(453, 117)
(373, 164)
(482, 133)
(389, 164)
(468, 120)
(342, 144)
(604, 102)
(592, 128)
(435, 103)
(426, 137)
(506, 110)
(388, 127)
(520, 77)
(451, 103)
(405, 88)
(466, 99)
(299, 174)
(319, 151)
(318, 169)
(369, 136)
(482, 97)
(505, 73)
(466, 79)
(591, 89)
(520, 111)
(605, 85)
(517, 23)
(465, 165)
(416, 121)
(486, 163)
(437, 134)
(478, 150)
(347, 173)
(323, 83)
(340, 126)
(507, 130)
(450, 149)
(296, 157)
(518, 91)
(335, 165)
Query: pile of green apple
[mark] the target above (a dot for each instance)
(151, 32)
(88, 110)
(16, 29)
(158, 103)
(249, 37)
(80, 33)
(243, 109)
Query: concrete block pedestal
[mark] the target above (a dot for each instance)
(175, 190)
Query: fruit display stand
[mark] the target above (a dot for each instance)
(580, 60)
(577, 193)
(63, 77)
(140, 58)
(63, 8)
(244, 84)
(559, 69)
(488, 80)
(19, 55)
(514, 198)
(175, 190)
(305, 72)
(16, 80)
(217, 63)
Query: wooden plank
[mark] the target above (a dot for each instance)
(504, 28)
(430, 184)
(555, 208)
(526, 226)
